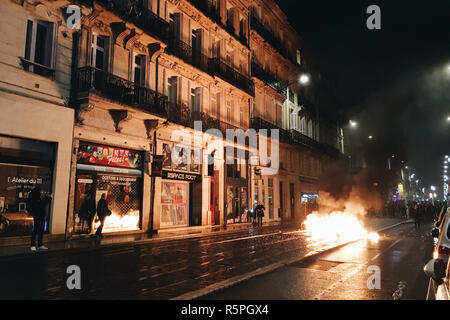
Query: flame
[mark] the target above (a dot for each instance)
(335, 227)
(116, 222)
(338, 220)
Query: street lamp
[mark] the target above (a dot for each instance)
(304, 79)
(353, 124)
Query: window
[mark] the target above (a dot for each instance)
(39, 47)
(172, 92)
(214, 105)
(299, 58)
(228, 111)
(99, 51)
(139, 70)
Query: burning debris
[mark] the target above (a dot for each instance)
(339, 220)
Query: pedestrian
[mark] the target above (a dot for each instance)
(416, 216)
(87, 212)
(260, 213)
(38, 205)
(102, 212)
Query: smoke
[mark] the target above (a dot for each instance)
(351, 193)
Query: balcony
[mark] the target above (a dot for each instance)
(122, 91)
(258, 124)
(184, 51)
(134, 11)
(268, 78)
(304, 140)
(208, 8)
(221, 69)
(267, 35)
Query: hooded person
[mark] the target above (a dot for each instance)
(38, 205)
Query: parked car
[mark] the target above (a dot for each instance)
(442, 233)
(439, 273)
(438, 268)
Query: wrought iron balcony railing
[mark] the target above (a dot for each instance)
(210, 10)
(125, 92)
(135, 11)
(228, 73)
(267, 77)
(185, 52)
(267, 35)
(258, 123)
(302, 139)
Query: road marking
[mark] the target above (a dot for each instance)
(392, 245)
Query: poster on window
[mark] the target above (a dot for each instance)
(195, 160)
(180, 158)
(174, 204)
(167, 156)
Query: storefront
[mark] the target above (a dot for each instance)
(180, 196)
(309, 202)
(24, 165)
(115, 172)
(237, 172)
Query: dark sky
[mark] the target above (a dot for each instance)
(392, 81)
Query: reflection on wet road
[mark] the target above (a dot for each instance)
(399, 256)
(163, 269)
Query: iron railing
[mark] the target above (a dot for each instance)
(123, 91)
(228, 73)
(267, 35)
(184, 51)
(268, 78)
(136, 12)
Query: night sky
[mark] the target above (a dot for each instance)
(392, 81)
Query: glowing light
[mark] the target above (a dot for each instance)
(335, 227)
(435, 255)
(116, 222)
(373, 236)
(304, 79)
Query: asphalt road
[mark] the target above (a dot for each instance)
(343, 273)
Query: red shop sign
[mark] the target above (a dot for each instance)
(109, 156)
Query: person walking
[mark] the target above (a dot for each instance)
(87, 212)
(102, 212)
(260, 213)
(38, 204)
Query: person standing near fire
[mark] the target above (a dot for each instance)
(102, 212)
(260, 213)
(38, 206)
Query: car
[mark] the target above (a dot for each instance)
(439, 272)
(436, 268)
(442, 233)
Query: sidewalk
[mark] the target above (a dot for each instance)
(85, 242)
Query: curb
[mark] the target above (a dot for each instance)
(267, 269)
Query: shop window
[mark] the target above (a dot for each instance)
(39, 47)
(24, 164)
(174, 203)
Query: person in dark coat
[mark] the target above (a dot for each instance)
(38, 205)
(87, 212)
(260, 213)
(102, 212)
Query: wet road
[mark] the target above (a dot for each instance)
(155, 270)
(151, 270)
(342, 274)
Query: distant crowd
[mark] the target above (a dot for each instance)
(419, 211)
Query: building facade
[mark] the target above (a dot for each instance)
(37, 123)
(144, 101)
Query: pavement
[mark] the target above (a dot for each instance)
(171, 266)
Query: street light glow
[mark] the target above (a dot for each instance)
(353, 123)
(304, 79)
